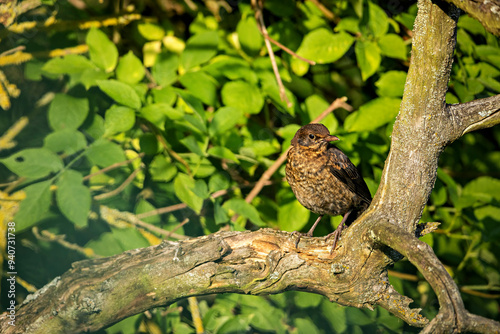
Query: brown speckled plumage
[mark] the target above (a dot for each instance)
(323, 178)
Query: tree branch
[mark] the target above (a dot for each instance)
(487, 12)
(96, 293)
(452, 316)
(474, 115)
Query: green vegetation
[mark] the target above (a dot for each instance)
(139, 107)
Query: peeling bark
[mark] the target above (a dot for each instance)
(97, 293)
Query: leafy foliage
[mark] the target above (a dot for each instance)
(186, 101)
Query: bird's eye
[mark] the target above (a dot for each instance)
(311, 136)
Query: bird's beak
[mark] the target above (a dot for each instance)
(330, 138)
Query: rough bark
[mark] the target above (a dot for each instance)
(485, 11)
(97, 293)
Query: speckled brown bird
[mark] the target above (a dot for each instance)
(323, 178)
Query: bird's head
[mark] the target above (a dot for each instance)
(313, 136)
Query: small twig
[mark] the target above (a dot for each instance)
(112, 193)
(284, 48)
(114, 217)
(172, 153)
(195, 315)
(20, 57)
(60, 239)
(171, 310)
(328, 14)
(13, 50)
(260, 23)
(175, 207)
(6, 141)
(113, 166)
(184, 222)
(479, 294)
(407, 277)
(152, 81)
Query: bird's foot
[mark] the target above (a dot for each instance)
(336, 235)
(300, 235)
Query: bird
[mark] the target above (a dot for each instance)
(324, 180)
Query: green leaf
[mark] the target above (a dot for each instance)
(151, 31)
(242, 95)
(306, 299)
(391, 45)
(33, 163)
(201, 85)
(484, 186)
(218, 182)
(193, 145)
(120, 92)
(102, 51)
(231, 68)
(157, 113)
(450, 183)
(162, 169)
(90, 77)
(34, 206)
(471, 24)
(335, 315)
(199, 49)
(373, 114)
(391, 83)
(350, 24)
(324, 47)
(67, 112)
(68, 141)
(378, 22)
(104, 153)
(68, 64)
(249, 36)
(357, 317)
(244, 209)
(143, 206)
(305, 325)
(315, 105)
(183, 187)
(164, 70)
(117, 241)
(149, 144)
(292, 216)
(222, 153)
(368, 56)
(224, 119)
(95, 128)
(118, 119)
(164, 95)
(130, 69)
(281, 8)
(73, 198)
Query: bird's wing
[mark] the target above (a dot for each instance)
(344, 170)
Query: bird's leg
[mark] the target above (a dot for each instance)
(337, 232)
(309, 233)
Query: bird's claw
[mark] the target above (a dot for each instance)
(299, 236)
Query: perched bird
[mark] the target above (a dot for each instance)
(323, 178)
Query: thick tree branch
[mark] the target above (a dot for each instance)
(474, 115)
(452, 316)
(96, 293)
(487, 12)
(422, 127)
